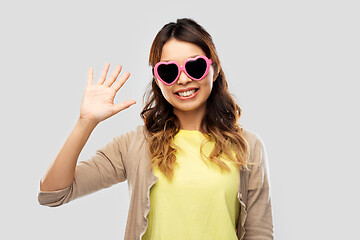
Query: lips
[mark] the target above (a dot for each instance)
(185, 95)
(182, 91)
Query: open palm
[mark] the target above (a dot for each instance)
(98, 100)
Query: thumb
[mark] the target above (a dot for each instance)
(124, 105)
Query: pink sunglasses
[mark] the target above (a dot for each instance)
(195, 68)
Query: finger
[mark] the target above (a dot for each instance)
(121, 106)
(90, 78)
(104, 73)
(120, 82)
(113, 76)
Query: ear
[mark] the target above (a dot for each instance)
(216, 76)
(156, 81)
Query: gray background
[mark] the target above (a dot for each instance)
(293, 66)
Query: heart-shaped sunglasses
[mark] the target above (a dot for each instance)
(195, 68)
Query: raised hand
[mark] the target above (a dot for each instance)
(98, 100)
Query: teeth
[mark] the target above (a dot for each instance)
(187, 93)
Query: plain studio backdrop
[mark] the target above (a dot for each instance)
(292, 65)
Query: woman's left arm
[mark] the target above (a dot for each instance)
(259, 222)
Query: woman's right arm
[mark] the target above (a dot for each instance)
(97, 105)
(60, 173)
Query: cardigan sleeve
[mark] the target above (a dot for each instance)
(259, 222)
(103, 170)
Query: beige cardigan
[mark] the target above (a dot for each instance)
(127, 157)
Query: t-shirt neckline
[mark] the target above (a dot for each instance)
(190, 133)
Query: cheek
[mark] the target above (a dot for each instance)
(208, 82)
(210, 78)
(166, 92)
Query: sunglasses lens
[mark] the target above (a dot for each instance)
(196, 68)
(167, 72)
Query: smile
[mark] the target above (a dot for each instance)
(187, 94)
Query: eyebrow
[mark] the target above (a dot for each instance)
(185, 59)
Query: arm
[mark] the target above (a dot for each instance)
(103, 170)
(259, 222)
(97, 105)
(61, 172)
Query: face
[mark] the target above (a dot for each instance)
(179, 51)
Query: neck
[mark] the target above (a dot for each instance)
(190, 120)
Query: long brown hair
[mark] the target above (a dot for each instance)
(222, 113)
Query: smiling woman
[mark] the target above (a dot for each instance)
(193, 171)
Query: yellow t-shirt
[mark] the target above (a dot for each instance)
(200, 202)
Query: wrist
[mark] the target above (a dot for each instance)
(87, 123)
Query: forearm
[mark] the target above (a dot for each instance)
(60, 173)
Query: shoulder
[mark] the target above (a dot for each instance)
(138, 131)
(136, 135)
(252, 137)
(256, 144)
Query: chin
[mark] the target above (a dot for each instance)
(188, 107)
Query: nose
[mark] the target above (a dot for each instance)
(183, 78)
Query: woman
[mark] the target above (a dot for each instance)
(193, 172)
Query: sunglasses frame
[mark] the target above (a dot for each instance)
(182, 68)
